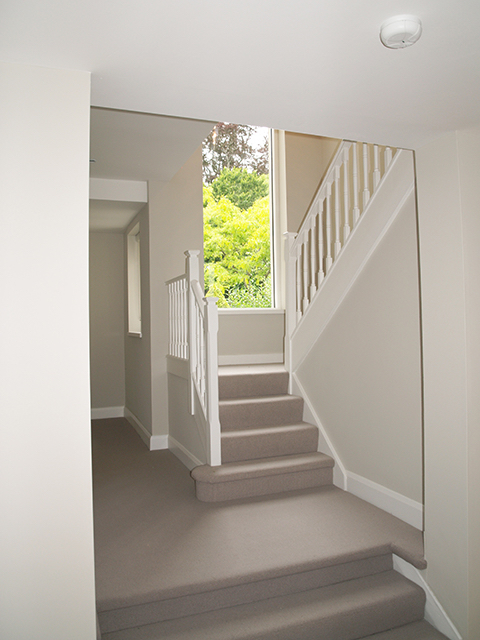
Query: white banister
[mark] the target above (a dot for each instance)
(193, 329)
(312, 253)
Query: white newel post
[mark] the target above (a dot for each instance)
(192, 272)
(290, 298)
(211, 375)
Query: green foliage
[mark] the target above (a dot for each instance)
(240, 187)
(237, 252)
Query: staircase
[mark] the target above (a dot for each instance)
(266, 446)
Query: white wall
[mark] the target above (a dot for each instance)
(176, 224)
(47, 579)
(107, 321)
(363, 373)
(250, 335)
(449, 210)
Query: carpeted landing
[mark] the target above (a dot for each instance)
(304, 565)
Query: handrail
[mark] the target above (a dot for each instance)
(193, 328)
(354, 175)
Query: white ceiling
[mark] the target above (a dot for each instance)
(313, 66)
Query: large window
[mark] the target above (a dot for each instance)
(237, 216)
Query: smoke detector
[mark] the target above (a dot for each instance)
(400, 31)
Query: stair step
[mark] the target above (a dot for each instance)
(262, 476)
(248, 381)
(414, 631)
(244, 592)
(269, 442)
(252, 413)
(344, 611)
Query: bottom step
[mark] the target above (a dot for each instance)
(346, 611)
(262, 477)
(415, 631)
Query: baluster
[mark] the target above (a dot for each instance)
(388, 157)
(313, 270)
(328, 231)
(356, 209)
(346, 213)
(175, 319)
(305, 273)
(337, 245)
(376, 168)
(366, 191)
(170, 320)
(321, 273)
(211, 380)
(298, 280)
(184, 320)
(290, 296)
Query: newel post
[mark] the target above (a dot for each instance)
(211, 380)
(290, 298)
(192, 273)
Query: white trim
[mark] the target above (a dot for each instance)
(434, 612)
(187, 458)
(107, 412)
(324, 443)
(250, 312)
(154, 443)
(390, 501)
(178, 367)
(252, 358)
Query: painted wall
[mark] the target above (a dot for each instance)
(174, 228)
(47, 578)
(306, 160)
(107, 320)
(449, 209)
(138, 357)
(250, 332)
(363, 373)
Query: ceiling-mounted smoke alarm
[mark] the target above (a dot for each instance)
(400, 31)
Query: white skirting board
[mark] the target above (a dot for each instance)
(154, 443)
(434, 612)
(187, 458)
(107, 412)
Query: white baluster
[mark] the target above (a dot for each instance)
(376, 168)
(346, 207)
(211, 380)
(313, 257)
(338, 244)
(321, 272)
(298, 281)
(290, 296)
(305, 273)
(366, 191)
(356, 209)
(328, 231)
(388, 157)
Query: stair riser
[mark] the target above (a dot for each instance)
(241, 594)
(253, 415)
(245, 386)
(247, 447)
(250, 487)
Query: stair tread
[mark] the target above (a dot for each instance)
(284, 397)
(271, 429)
(336, 612)
(261, 467)
(420, 630)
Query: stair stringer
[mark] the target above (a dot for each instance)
(398, 185)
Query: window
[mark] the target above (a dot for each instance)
(133, 282)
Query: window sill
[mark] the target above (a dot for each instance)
(134, 334)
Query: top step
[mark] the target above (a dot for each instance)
(246, 381)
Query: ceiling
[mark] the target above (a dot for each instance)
(312, 66)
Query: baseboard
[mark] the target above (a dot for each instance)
(154, 443)
(107, 412)
(253, 358)
(187, 458)
(390, 501)
(434, 612)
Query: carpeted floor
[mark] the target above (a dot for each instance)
(154, 539)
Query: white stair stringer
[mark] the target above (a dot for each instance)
(397, 187)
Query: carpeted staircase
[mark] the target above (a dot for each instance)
(285, 556)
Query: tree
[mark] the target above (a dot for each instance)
(230, 146)
(240, 187)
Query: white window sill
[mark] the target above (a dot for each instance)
(134, 334)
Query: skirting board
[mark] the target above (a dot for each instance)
(434, 612)
(154, 443)
(253, 358)
(187, 458)
(107, 412)
(390, 501)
